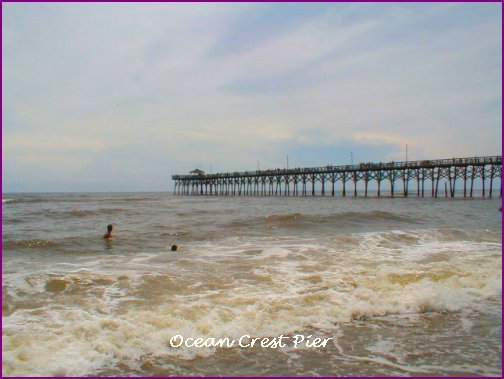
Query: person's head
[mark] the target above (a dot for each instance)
(109, 228)
(173, 247)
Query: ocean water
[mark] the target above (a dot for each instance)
(395, 286)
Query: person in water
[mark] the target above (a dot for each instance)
(108, 235)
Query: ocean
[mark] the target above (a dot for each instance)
(403, 287)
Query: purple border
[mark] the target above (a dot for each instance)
(245, 1)
(211, 1)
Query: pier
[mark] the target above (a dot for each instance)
(474, 176)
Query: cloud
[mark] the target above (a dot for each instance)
(159, 88)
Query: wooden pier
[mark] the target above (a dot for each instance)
(425, 175)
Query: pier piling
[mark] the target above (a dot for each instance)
(285, 182)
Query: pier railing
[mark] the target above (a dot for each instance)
(286, 180)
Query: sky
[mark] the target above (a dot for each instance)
(119, 97)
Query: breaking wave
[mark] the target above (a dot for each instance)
(286, 286)
(342, 219)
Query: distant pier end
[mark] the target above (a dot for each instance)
(425, 175)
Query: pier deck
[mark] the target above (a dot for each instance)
(426, 174)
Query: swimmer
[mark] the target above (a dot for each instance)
(108, 235)
(174, 247)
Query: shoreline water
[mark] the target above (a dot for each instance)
(403, 287)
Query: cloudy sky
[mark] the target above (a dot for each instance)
(118, 97)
